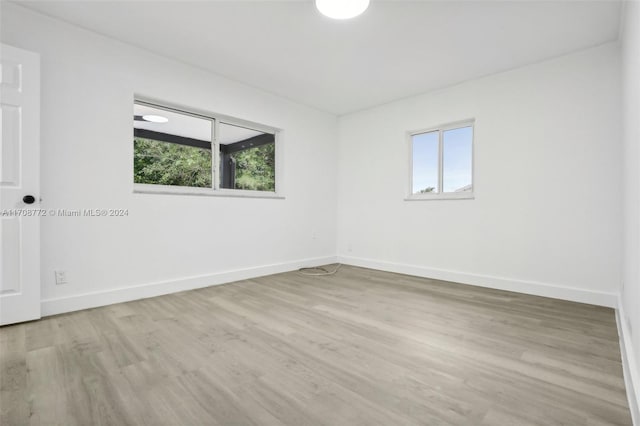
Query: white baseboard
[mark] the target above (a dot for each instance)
(629, 367)
(141, 291)
(519, 286)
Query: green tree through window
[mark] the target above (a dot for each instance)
(163, 163)
(255, 168)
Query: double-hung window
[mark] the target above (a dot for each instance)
(176, 151)
(442, 162)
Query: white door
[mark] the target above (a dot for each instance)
(19, 179)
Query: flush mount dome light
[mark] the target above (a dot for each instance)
(155, 118)
(342, 9)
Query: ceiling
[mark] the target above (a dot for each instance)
(394, 50)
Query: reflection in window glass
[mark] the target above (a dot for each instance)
(247, 158)
(425, 163)
(456, 160)
(170, 148)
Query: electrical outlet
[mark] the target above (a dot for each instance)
(61, 277)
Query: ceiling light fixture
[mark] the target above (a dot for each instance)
(155, 118)
(342, 9)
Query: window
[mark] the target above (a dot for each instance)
(247, 158)
(442, 162)
(183, 152)
(171, 148)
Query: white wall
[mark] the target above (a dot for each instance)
(88, 84)
(547, 208)
(631, 117)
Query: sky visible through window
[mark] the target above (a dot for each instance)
(457, 162)
(425, 162)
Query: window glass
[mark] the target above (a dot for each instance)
(425, 163)
(247, 158)
(171, 148)
(456, 160)
(442, 162)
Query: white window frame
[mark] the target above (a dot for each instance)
(215, 190)
(466, 195)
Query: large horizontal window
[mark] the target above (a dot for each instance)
(179, 151)
(442, 162)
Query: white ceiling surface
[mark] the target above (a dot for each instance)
(189, 126)
(395, 49)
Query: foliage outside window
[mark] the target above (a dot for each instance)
(175, 149)
(255, 168)
(162, 163)
(247, 158)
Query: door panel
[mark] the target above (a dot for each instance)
(10, 123)
(19, 176)
(10, 256)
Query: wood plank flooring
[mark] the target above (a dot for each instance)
(361, 347)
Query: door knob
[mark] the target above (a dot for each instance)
(29, 199)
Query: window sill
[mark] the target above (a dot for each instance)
(142, 188)
(445, 196)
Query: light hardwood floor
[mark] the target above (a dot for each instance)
(360, 347)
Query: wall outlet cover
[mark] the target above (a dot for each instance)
(61, 277)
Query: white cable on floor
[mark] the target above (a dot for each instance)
(318, 271)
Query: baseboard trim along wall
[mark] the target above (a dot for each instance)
(609, 300)
(143, 291)
(629, 367)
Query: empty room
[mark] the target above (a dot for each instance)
(320, 212)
